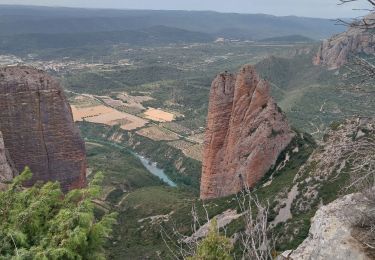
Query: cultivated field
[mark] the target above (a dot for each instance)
(175, 127)
(191, 150)
(134, 101)
(158, 134)
(124, 102)
(84, 101)
(159, 115)
(109, 116)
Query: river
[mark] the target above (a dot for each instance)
(151, 167)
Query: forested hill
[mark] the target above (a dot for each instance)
(16, 20)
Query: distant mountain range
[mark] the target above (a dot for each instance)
(43, 27)
(288, 39)
(148, 36)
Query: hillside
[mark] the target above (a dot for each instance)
(342, 164)
(157, 35)
(311, 96)
(26, 20)
(288, 39)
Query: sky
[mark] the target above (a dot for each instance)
(308, 8)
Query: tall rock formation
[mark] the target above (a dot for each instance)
(335, 51)
(246, 132)
(38, 129)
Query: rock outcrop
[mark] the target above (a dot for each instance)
(38, 129)
(342, 162)
(246, 132)
(347, 145)
(7, 172)
(331, 233)
(335, 52)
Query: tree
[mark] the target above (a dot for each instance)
(43, 223)
(214, 246)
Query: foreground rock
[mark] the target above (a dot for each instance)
(246, 132)
(38, 129)
(335, 52)
(330, 235)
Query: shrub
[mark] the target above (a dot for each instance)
(214, 246)
(43, 223)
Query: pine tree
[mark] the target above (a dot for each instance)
(42, 222)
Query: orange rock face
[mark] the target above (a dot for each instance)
(38, 129)
(246, 132)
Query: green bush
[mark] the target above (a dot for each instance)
(214, 246)
(43, 223)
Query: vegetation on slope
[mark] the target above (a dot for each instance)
(43, 223)
(311, 96)
(181, 169)
(145, 211)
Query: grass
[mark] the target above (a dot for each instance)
(311, 96)
(135, 194)
(124, 171)
(133, 239)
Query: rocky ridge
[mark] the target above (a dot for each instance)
(345, 146)
(335, 168)
(246, 132)
(335, 51)
(38, 129)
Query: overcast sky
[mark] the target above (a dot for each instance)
(310, 8)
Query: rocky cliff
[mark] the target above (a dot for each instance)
(333, 232)
(246, 132)
(335, 51)
(38, 129)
